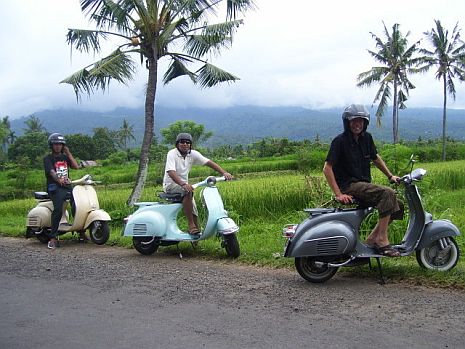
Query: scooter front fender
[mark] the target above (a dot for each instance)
(96, 215)
(330, 238)
(436, 230)
(227, 226)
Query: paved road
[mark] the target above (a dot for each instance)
(87, 296)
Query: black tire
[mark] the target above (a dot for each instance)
(42, 237)
(99, 232)
(231, 245)
(145, 245)
(429, 257)
(312, 270)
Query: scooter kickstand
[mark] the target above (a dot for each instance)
(380, 268)
(179, 252)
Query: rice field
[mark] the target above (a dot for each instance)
(263, 202)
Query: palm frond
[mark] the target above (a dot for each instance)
(209, 75)
(233, 7)
(117, 66)
(176, 69)
(200, 45)
(85, 40)
(108, 14)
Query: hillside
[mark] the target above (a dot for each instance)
(246, 124)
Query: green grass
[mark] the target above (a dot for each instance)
(262, 202)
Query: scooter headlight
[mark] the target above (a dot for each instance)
(211, 181)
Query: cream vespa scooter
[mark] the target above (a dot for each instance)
(88, 214)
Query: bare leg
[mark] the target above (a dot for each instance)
(379, 235)
(189, 212)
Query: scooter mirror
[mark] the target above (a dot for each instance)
(211, 181)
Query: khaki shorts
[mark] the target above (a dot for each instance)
(177, 189)
(383, 198)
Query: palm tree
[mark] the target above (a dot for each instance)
(448, 55)
(5, 132)
(125, 134)
(154, 29)
(397, 60)
(33, 124)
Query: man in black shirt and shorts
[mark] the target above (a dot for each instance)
(347, 170)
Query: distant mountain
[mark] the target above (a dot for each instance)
(247, 124)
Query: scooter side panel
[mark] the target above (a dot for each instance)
(435, 230)
(154, 220)
(330, 238)
(40, 216)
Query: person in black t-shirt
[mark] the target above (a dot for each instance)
(56, 166)
(347, 171)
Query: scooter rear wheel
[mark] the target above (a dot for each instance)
(430, 257)
(145, 245)
(314, 271)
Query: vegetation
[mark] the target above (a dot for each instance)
(448, 56)
(269, 193)
(154, 29)
(397, 59)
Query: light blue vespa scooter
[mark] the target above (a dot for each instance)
(154, 224)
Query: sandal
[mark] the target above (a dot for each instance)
(387, 251)
(194, 232)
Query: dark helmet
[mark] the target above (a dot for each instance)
(355, 111)
(185, 136)
(56, 138)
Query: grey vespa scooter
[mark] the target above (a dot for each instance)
(329, 238)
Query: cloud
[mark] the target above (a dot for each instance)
(296, 52)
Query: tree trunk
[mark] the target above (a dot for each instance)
(444, 121)
(395, 111)
(148, 132)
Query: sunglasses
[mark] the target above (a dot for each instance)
(182, 141)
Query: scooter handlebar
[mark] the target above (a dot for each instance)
(86, 179)
(209, 181)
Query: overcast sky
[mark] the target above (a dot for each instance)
(288, 53)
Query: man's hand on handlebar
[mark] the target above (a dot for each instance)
(227, 176)
(394, 179)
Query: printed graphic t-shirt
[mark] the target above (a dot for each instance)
(60, 164)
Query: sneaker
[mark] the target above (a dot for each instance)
(52, 244)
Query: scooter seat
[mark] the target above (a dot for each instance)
(41, 195)
(175, 197)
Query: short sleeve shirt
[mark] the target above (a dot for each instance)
(60, 164)
(182, 165)
(351, 160)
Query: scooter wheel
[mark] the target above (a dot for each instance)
(431, 257)
(99, 232)
(146, 245)
(231, 245)
(314, 271)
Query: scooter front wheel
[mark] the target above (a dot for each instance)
(145, 245)
(99, 232)
(314, 271)
(231, 245)
(434, 257)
